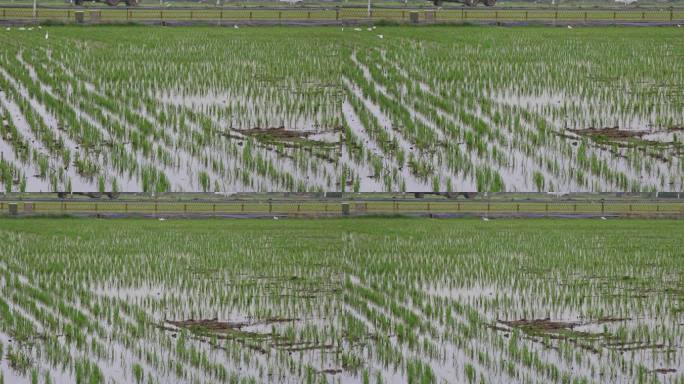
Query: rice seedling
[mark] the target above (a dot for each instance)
(375, 300)
(326, 109)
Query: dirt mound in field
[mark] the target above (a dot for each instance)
(277, 133)
(540, 324)
(210, 325)
(610, 132)
(215, 325)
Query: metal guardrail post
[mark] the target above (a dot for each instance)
(345, 209)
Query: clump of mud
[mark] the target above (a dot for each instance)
(227, 330)
(540, 329)
(277, 133)
(212, 325)
(610, 132)
(543, 325)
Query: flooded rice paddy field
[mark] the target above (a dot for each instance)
(332, 109)
(341, 301)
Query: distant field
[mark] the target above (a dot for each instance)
(370, 300)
